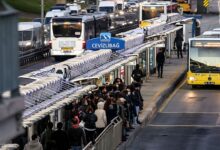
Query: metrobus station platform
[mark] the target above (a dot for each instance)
(155, 91)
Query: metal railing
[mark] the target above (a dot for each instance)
(110, 138)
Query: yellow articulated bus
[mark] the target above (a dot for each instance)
(204, 60)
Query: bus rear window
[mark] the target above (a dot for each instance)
(67, 29)
(151, 12)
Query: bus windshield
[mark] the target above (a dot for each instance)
(150, 12)
(205, 59)
(47, 20)
(106, 9)
(67, 29)
(25, 35)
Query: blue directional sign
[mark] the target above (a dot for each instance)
(105, 41)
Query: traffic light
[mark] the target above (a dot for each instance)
(205, 3)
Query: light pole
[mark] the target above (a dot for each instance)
(42, 20)
(42, 12)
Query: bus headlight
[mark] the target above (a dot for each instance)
(192, 78)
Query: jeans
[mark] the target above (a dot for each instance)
(76, 148)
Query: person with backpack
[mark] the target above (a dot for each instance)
(137, 74)
(90, 126)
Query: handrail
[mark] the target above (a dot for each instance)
(108, 133)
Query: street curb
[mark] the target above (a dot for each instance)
(152, 111)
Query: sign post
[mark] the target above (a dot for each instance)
(105, 41)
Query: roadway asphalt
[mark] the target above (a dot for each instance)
(188, 120)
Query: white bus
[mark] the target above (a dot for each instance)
(30, 35)
(69, 34)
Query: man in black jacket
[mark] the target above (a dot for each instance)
(160, 62)
(178, 42)
(75, 136)
(61, 138)
(137, 74)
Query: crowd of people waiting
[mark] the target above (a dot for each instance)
(93, 113)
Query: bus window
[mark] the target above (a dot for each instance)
(204, 57)
(25, 35)
(67, 29)
(172, 8)
(106, 9)
(47, 20)
(149, 12)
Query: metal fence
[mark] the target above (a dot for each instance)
(110, 138)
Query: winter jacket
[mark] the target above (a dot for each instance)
(160, 58)
(90, 120)
(178, 41)
(61, 140)
(47, 139)
(111, 112)
(137, 74)
(33, 145)
(101, 116)
(75, 136)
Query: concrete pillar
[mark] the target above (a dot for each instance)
(60, 115)
(52, 116)
(30, 132)
(169, 45)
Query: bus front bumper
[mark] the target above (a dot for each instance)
(203, 78)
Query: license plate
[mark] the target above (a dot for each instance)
(210, 83)
(67, 49)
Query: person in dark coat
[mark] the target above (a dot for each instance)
(137, 74)
(89, 126)
(76, 136)
(178, 43)
(47, 138)
(160, 62)
(60, 138)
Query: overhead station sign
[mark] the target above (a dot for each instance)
(105, 41)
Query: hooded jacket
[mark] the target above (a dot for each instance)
(101, 116)
(33, 145)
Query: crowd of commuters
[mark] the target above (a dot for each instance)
(93, 113)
